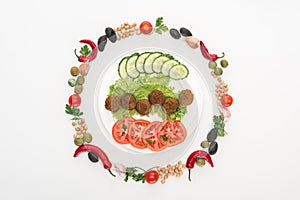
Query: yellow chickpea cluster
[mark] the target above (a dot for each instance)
(126, 30)
(171, 170)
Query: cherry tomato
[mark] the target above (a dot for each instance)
(74, 100)
(172, 133)
(120, 130)
(146, 27)
(135, 133)
(151, 176)
(226, 100)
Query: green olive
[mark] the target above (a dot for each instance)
(80, 80)
(204, 144)
(218, 71)
(212, 64)
(72, 82)
(200, 162)
(224, 63)
(87, 137)
(78, 89)
(78, 141)
(74, 71)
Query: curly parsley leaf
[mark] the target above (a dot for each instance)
(85, 51)
(159, 26)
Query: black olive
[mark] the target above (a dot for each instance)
(213, 148)
(175, 33)
(111, 34)
(93, 157)
(212, 135)
(185, 32)
(102, 42)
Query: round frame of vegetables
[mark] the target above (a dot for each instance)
(82, 137)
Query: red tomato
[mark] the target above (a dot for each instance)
(150, 136)
(173, 133)
(151, 176)
(74, 100)
(226, 100)
(120, 130)
(146, 27)
(152, 129)
(135, 133)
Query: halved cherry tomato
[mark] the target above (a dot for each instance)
(120, 130)
(135, 133)
(146, 27)
(74, 100)
(172, 133)
(226, 100)
(151, 176)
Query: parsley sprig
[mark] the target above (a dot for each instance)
(85, 51)
(73, 111)
(134, 174)
(159, 26)
(220, 125)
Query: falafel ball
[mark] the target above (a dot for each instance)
(156, 97)
(112, 103)
(186, 97)
(143, 107)
(170, 105)
(128, 101)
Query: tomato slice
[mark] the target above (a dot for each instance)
(150, 136)
(120, 130)
(173, 133)
(135, 133)
(152, 129)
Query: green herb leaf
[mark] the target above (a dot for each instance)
(85, 51)
(159, 26)
(164, 138)
(133, 173)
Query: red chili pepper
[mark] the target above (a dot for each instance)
(92, 55)
(207, 55)
(99, 152)
(193, 157)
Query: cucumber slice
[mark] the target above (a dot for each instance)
(139, 64)
(167, 66)
(178, 72)
(130, 66)
(158, 62)
(149, 61)
(122, 68)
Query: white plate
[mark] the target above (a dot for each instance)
(104, 72)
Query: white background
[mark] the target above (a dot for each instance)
(258, 160)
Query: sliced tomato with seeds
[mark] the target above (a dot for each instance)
(120, 130)
(150, 136)
(173, 133)
(135, 133)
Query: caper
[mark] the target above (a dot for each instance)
(78, 89)
(218, 71)
(78, 141)
(74, 71)
(224, 63)
(80, 80)
(87, 137)
(204, 144)
(200, 162)
(212, 64)
(72, 82)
